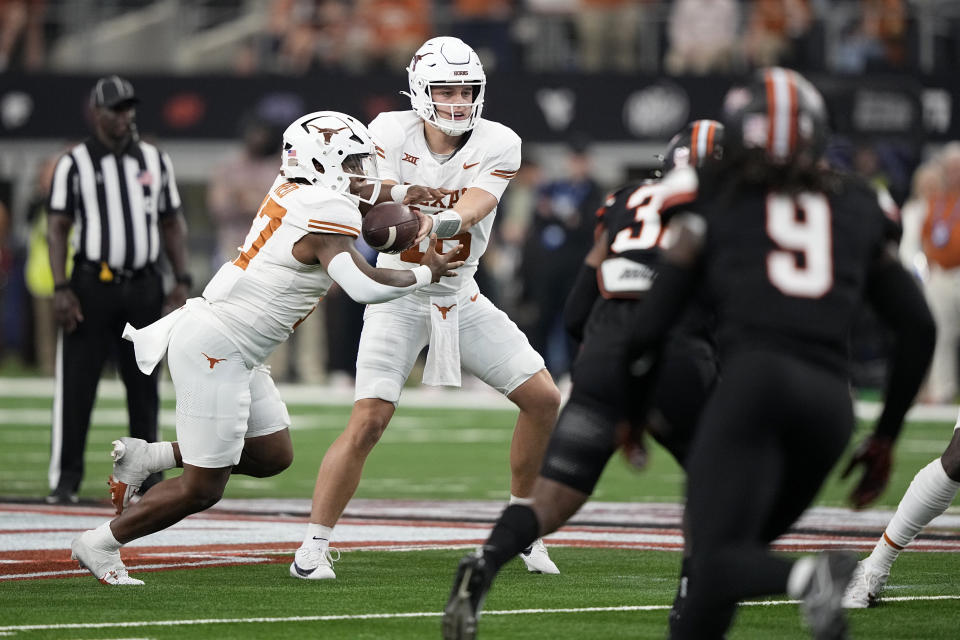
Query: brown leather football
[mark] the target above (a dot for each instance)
(390, 227)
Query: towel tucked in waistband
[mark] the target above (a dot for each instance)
(150, 342)
(443, 357)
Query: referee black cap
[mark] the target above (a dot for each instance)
(112, 91)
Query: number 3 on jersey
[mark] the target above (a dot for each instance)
(644, 233)
(803, 265)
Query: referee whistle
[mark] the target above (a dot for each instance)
(105, 274)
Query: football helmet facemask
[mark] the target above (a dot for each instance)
(699, 142)
(329, 148)
(779, 113)
(445, 61)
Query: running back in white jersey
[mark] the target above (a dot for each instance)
(488, 160)
(265, 292)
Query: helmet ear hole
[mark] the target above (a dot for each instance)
(318, 167)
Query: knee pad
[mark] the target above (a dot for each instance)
(582, 443)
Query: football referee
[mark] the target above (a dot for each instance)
(118, 195)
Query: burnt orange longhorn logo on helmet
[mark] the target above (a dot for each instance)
(417, 57)
(327, 133)
(444, 310)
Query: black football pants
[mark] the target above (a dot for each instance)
(81, 356)
(768, 437)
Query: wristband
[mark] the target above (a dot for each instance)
(398, 192)
(446, 224)
(423, 274)
(62, 286)
(185, 278)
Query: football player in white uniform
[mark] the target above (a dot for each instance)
(230, 418)
(444, 143)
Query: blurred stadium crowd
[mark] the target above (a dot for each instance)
(545, 221)
(296, 36)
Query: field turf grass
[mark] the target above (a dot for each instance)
(426, 454)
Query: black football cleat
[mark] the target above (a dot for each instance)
(470, 587)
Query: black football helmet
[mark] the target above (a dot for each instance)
(700, 141)
(779, 112)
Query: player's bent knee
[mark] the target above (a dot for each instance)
(366, 432)
(581, 444)
(278, 462)
(538, 396)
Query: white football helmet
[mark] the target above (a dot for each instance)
(445, 61)
(328, 148)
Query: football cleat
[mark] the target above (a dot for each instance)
(314, 564)
(129, 470)
(106, 566)
(537, 559)
(865, 587)
(823, 595)
(470, 587)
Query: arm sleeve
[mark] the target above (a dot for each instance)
(62, 189)
(580, 302)
(169, 202)
(894, 295)
(365, 290)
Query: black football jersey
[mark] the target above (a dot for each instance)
(788, 270)
(635, 217)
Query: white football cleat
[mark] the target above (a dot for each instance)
(865, 587)
(106, 566)
(314, 564)
(537, 559)
(129, 470)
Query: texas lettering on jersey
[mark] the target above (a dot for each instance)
(488, 159)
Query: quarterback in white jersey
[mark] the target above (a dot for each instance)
(230, 418)
(445, 144)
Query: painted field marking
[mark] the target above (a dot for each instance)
(399, 615)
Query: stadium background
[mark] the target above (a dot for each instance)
(202, 68)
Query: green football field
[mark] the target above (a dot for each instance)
(443, 453)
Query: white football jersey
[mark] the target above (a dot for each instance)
(265, 292)
(488, 160)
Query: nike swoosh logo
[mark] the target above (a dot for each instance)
(302, 572)
(318, 538)
(468, 166)
(473, 298)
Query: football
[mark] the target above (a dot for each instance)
(390, 227)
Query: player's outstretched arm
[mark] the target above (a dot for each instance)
(675, 283)
(362, 282)
(472, 207)
(585, 289)
(894, 295)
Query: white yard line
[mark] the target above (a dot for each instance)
(392, 616)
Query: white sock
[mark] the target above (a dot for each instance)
(515, 500)
(318, 536)
(929, 495)
(800, 576)
(160, 456)
(102, 538)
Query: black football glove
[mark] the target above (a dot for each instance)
(875, 454)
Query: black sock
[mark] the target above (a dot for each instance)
(516, 530)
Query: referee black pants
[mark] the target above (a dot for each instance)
(767, 439)
(81, 355)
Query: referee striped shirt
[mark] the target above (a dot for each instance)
(116, 201)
